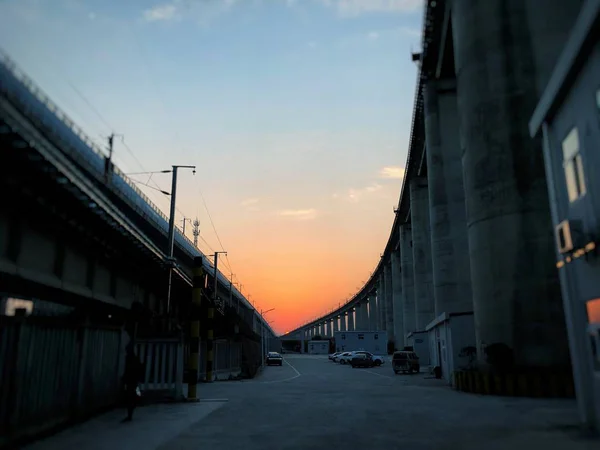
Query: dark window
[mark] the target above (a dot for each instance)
(361, 336)
(376, 336)
(343, 336)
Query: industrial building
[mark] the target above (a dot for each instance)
(369, 341)
(567, 118)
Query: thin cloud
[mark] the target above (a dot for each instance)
(300, 214)
(161, 13)
(354, 8)
(394, 172)
(373, 35)
(356, 195)
(250, 201)
(200, 11)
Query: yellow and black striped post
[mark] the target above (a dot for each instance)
(197, 288)
(209, 342)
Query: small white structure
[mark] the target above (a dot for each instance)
(420, 344)
(448, 335)
(369, 341)
(318, 347)
(567, 118)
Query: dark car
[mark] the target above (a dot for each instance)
(362, 360)
(405, 361)
(274, 358)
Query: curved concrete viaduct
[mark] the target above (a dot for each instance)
(469, 263)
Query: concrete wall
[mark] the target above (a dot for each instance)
(389, 301)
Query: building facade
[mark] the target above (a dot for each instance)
(567, 118)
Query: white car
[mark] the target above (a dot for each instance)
(378, 360)
(344, 358)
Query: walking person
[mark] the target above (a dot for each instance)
(132, 377)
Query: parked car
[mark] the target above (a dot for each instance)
(362, 360)
(274, 358)
(405, 361)
(345, 357)
(377, 360)
(333, 355)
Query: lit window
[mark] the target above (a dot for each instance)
(573, 166)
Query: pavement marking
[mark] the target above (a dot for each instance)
(378, 374)
(285, 379)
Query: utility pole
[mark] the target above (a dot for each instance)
(171, 241)
(262, 335)
(216, 280)
(196, 231)
(185, 219)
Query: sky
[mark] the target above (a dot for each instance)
(296, 114)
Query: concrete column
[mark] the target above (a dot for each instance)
(321, 329)
(421, 238)
(373, 312)
(351, 320)
(516, 295)
(389, 301)
(381, 302)
(396, 272)
(342, 322)
(335, 324)
(448, 220)
(364, 315)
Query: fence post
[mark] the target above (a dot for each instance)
(197, 286)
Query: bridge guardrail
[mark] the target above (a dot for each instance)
(62, 116)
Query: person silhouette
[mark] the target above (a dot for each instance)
(132, 377)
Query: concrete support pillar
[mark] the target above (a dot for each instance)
(321, 329)
(381, 303)
(408, 281)
(351, 320)
(364, 315)
(373, 312)
(448, 220)
(396, 273)
(421, 238)
(335, 324)
(516, 294)
(389, 301)
(343, 326)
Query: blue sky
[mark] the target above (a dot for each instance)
(297, 113)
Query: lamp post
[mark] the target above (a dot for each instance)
(262, 335)
(171, 241)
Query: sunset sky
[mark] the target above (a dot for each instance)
(296, 113)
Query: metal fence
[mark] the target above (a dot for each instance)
(227, 357)
(162, 360)
(53, 371)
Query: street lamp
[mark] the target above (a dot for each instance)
(262, 335)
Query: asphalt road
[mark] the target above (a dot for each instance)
(312, 403)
